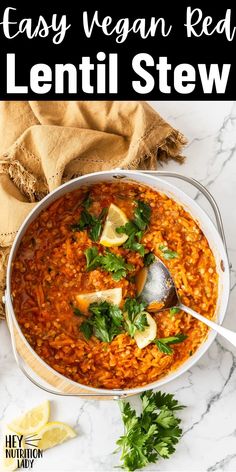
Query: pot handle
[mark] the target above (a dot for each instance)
(202, 189)
(26, 371)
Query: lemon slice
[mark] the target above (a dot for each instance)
(9, 463)
(54, 433)
(32, 420)
(143, 338)
(113, 295)
(115, 218)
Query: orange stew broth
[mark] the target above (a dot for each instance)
(50, 270)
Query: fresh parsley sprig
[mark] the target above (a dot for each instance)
(92, 258)
(142, 215)
(149, 258)
(173, 311)
(87, 202)
(109, 262)
(167, 253)
(152, 435)
(135, 316)
(116, 265)
(87, 220)
(135, 229)
(163, 344)
(105, 321)
(135, 236)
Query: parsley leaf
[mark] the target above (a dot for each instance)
(166, 418)
(86, 329)
(105, 321)
(101, 328)
(158, 399)
(96, 226)
(84, 222)
(149, 258)
(163, 344)
(116, 265)
(163, 347)
(135, 235)
(136, 316)
(151, 435)
(135, 228)
(174, 310)
(87, 220)
(109, 262)
(87, 202)
(116, 315)
(92, 258)
(167, 253)
(129, 228)
(134, 245)
(142, 215)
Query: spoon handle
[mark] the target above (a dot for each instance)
(226, 333)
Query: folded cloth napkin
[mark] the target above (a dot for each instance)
(43, 144)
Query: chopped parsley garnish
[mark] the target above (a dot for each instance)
(87, 329)
(89, 221)
(163, 344)
(109, 262)
(92, 258)
(149, 258)
(174, 310)
(167, 253)
(107, 308)
(87, 202)
(142, 215)
(133, 241)
(96, 227)
(135, 228)
(136, 316)
(116, 265)
(105, 321)
(152, 435)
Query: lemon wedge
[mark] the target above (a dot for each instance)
(115, 218)
(9, 463)
(32, 420)
(54, 433)
(143, 338)
(113, 295)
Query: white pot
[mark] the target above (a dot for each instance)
(216, 242)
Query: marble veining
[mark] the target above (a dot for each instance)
(209, 389)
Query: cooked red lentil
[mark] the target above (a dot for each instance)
(50, 270)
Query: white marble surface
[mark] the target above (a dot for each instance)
(209, 388)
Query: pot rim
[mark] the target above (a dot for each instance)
(85, 179)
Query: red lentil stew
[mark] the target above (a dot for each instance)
(60, 257)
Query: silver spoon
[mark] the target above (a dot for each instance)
(157, 288)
